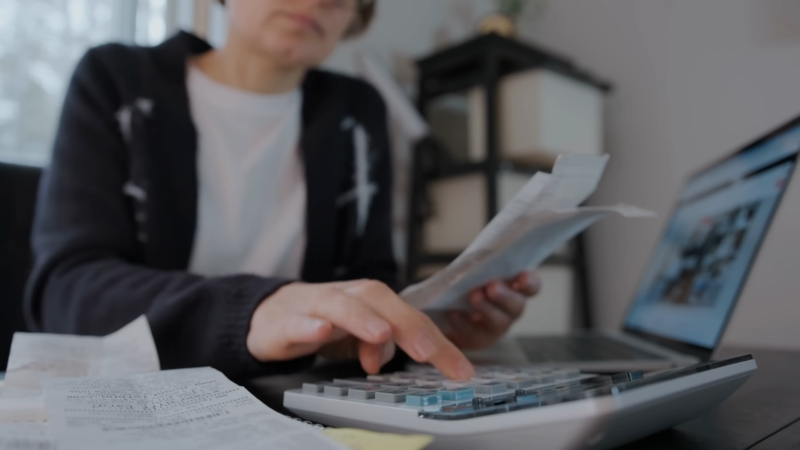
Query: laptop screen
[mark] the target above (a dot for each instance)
(691, 285)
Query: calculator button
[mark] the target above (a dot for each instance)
(391, 395)
(437, 381)
(423, 399)
(457, 394)
(403, 378)
(520, 383)
(542, 378)
(627, 376)
(313, 388)
(337, 389)
(363, 392)
(483, 379)
(419, 390)
(361, 381)
(379, 378)
(426, 387)
(490, 388)
(398, 384)
(458, 384)
(562, 374)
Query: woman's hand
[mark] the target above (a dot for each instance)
(299, 319)
(496, 306)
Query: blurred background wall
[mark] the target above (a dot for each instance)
(694, 79)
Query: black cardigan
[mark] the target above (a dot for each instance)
(117, 211)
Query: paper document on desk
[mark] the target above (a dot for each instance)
(36, 357)
(25, 436)
(21, 405)
(540, 219)
(180, 409)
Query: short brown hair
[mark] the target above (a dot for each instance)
(365, 12)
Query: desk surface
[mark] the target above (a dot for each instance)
(764, 414)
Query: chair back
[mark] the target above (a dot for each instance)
(18, 189)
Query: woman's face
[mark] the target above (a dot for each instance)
(294, 33)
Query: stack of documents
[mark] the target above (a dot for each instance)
(36, 358)
(538, 221)
(178, 409)
(71, 392)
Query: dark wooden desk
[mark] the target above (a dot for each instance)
(764, 414)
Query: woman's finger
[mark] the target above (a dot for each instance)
(493, 319)
(351, 314)
(341, 349)
(413, 331)
(509, 301)
(306, 330)
(373, 357)
(526, 283)
(295, 336)
(477, 295)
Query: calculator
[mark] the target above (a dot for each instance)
(519, 407)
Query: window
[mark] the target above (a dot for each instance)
(40, 43)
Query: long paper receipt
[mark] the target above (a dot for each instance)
(540, 219)
(26, 436)
(176, 410)
(36, 357)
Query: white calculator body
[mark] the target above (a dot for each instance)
(521, 407)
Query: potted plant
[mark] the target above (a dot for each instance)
(504, 20)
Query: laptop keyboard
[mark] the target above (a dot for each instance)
(581, 348)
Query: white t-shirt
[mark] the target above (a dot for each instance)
(251, 183)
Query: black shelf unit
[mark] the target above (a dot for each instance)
(483, 61)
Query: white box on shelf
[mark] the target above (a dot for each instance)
(550, 312)
(540, 113)
(459, 209)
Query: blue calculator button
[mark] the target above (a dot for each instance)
(457, 394)
(423, 399)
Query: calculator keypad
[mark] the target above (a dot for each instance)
(494, 389)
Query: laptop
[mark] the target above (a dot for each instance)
(692, 282)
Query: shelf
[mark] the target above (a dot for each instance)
(482, 62)
(461, 67)
(460, 169)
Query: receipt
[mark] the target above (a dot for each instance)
(180, 409)
(540, 219)
(36, 357)
(24, 436)
(21, 405)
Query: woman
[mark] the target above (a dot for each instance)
(196, 186)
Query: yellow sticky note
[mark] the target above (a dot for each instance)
(369, 440)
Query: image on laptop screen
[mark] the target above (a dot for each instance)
(694, 279)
